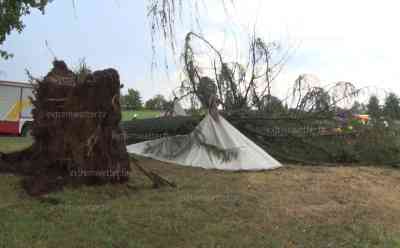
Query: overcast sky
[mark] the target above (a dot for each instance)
(337, 40)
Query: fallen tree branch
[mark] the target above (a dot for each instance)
(157, 180)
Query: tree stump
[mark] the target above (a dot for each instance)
(76, 131)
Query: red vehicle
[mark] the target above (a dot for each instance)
(15, 108)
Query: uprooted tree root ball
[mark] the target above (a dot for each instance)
(76, 131)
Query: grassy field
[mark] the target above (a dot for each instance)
(12, 143)
(290, 207)
(142, 114)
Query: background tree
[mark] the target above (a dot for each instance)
(238, 85)
(11, 13)
(205, 90)
(307, 96)
(164, 13)
(272, 105)
(315, 99)
(132, 101)
(373, 108)
(158, 102)
(322, 101)
(358, 108)
(391, 108)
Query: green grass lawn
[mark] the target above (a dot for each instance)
(13, 143)
(296, 206)
(141, 114)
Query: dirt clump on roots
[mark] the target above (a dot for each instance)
(77, 138)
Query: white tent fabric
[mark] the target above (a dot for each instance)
(178, 110)
(220, 134)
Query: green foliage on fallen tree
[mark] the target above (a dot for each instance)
(307, 139)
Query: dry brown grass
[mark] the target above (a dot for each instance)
(295, 206)
(333, 195)
(310, 195)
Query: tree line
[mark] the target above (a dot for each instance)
(389, 109)
(133, 101)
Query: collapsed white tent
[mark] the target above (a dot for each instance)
(178, 110)
(214, 144)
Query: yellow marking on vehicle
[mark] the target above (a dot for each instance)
(17, 108)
